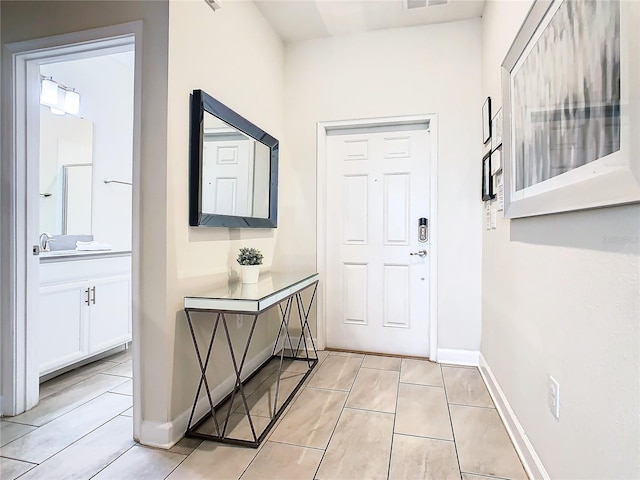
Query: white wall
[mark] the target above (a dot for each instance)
(105, 84)
(233, 55)
(417, 70)
(561, 297)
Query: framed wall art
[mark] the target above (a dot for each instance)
(571, 108)
(487, 178)
(486, 120)
(496, 130)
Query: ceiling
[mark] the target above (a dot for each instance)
(296, 20)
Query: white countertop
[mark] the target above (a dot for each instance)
(70, 255)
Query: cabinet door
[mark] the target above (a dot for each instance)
(62, 325)
(109, 313)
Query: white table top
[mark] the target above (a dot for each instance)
(272, 288)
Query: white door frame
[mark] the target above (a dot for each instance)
(431, 120)
(18, 337)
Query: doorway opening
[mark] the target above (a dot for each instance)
(73, 203)
(377, 235)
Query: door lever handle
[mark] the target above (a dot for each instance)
(419, 253)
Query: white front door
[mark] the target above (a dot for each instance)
(377, 293)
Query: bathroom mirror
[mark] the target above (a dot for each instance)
(65, 174)
(233, 168)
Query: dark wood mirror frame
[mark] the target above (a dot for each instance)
(201, 102)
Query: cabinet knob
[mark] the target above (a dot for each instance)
(93, 295)
(88, 299)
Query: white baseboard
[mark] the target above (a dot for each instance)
(458, 357)
(532, 463)
(166, 435)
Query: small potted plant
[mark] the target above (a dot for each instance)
(250, 260)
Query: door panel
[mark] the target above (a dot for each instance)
(356, 208)
(377, 294)
(355, 293)
(396, 209)
(61, 332)
(396, 298)
(110, 313)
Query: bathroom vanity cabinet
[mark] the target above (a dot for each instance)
(85, 307)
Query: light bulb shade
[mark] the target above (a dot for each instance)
(49, 92)
(72, 102)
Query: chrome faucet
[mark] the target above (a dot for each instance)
(45, 238)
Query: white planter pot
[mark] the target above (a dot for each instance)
(249, 273)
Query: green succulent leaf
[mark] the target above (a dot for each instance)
(250, 256)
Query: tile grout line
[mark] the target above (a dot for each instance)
(472, 406)
(74, 408)
(295, 445)
(18, 460)
(383, 369)
(83, 436)
(79, 381)
(423, 384)
(485, 476)
(179, 463)
(453, 433)
(18, 423)
(395, 416)
(428, 438)
(114, 375)
(333, 431)
(112, 461)
(118, 393)
(360, 409)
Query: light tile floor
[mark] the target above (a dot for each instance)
(358, 417)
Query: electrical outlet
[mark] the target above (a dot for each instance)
(238, 322)
(554, 398)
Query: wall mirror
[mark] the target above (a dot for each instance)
(65, 174)
(233, 168)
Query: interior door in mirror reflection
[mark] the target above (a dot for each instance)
(227, 173)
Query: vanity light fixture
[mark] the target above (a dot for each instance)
(49, 92)
(72, 102)
(59, 98)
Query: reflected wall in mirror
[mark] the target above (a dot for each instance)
(66, 174)
(76, 211)
(233, 168)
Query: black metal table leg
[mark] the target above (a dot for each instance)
(203, 371)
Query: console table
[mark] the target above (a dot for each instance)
(283, 290)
